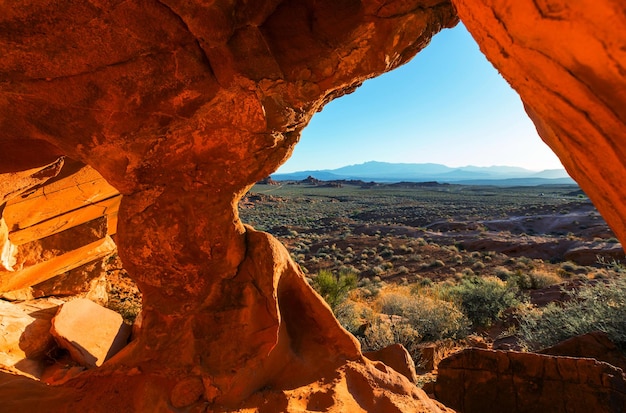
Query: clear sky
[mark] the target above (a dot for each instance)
(448, 105)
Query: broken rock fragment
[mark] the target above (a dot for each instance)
(91, 333)
(24, 334)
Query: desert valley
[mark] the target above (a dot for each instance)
(440, 267)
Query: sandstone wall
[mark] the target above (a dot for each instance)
(59, 218)
(181, 106)
(484, 381)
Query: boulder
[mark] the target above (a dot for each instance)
(91, 333)
(396, 357)
(479, 380)
(596, 345)
(25, 337)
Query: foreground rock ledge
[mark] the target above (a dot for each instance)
(297, 357)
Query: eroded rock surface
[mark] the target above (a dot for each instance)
(477, 380)
(25, 337)
(596, 345)
(396, 357)
(55, 220)
(181, 106)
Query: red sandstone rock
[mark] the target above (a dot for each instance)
(396, 357)
(58, 223)
(596, 345)
(182, 105)
(25, 335)
(91, 333)
(14, 183)
(182, 120)
(477, 380)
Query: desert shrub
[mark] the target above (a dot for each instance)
(478, 265)
(543, 279)
(421, 282)
(352, 315)
(568, 268)
(432, 318)
(334, 288)
(482, 299)
(593, 307)
(611, 264)
(384, 331)
(386, 253)
(503, 273)
(402, 270)
(378, 270)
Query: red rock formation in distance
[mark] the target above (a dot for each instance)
(183, 105)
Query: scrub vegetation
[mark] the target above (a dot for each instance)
(508, 267)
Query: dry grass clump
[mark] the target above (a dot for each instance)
(407, 315)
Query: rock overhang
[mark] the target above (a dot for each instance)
(181, 116)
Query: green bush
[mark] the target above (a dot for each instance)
(382, 332)
(432, 318)
(530, 281)
(482, 299)
(593, 307)
(334, 288)
(352, 316)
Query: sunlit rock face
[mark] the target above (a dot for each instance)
(181, 106)
(568, 63)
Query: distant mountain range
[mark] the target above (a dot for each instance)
(424, 172)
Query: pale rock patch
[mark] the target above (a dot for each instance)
(91, 333)
(25, 335)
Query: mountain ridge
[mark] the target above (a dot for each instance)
(418, 172)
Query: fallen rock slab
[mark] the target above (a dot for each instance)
(25, 335)
(398, 358)
(91, 333)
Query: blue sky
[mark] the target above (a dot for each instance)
(448, 105)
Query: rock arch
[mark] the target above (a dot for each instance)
(182, 106)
